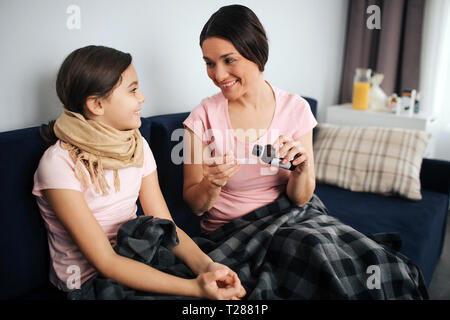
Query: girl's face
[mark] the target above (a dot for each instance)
(122, 107)
(228, 69)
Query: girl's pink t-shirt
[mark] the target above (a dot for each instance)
(56, 171)
(255, 184)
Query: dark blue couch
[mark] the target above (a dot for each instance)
(24, 256)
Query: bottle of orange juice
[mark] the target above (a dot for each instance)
(361, 87)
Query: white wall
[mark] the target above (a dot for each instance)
(306, 39)
(434, 75)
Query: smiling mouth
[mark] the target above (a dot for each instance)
(228, 85)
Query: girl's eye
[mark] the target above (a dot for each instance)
(134, 90)
(209, 64)
(229, 60)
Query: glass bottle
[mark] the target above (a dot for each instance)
(361, 88)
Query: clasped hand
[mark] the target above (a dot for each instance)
(219, 282)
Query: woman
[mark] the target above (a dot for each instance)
(283, 246)
(89, 179)
(248, 111)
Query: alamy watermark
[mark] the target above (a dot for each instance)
(74, 19)
(374, 280)
(74, 280)
(374, 20)
(219, 143)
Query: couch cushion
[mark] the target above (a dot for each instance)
(24, 256)
(24, 252)
(435, 175)
(371, 159)
(421, 224)
(46, 292)
(167, 147)
(145, 129)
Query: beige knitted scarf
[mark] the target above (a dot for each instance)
(97, 146)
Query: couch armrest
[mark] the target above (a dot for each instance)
(435, 175)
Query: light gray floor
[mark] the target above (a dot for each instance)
(440, 284)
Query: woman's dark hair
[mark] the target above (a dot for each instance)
(88, 71)
(239, 25)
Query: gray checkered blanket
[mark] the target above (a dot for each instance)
(279, 252)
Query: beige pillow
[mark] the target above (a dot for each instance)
(370, 159)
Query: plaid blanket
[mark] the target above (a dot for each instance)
(279, 252)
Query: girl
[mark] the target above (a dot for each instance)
(247, 111)
(89, 179)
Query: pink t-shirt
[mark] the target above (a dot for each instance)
(255, 184)
(56, 171)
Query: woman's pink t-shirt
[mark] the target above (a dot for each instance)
(255, 184)
(56, 171)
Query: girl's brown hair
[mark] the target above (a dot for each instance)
(88, 71)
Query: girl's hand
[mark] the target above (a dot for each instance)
(289, 148)
(217, 170)
(230, 280)
(220, 284)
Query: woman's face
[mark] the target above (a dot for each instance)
(122, 107)
(228, 69)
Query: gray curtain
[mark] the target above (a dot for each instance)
(393, 50)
